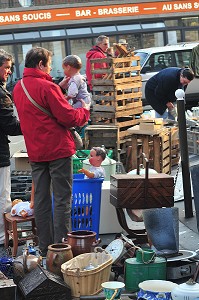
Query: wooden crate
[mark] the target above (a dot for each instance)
(128, 191)
(118, 71)
(175, 146)
(108, 135)
(118, 97)
(156, 148)
(124, 121)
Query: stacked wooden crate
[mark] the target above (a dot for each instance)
(175, 146)
(117, 95)
(155, 145)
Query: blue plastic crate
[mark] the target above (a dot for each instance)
(86, 202)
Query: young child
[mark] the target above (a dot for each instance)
(74, 82)
(97, 155)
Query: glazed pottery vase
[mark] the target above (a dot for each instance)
(57, 255)
(82, 241)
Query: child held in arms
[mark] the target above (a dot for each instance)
(97, 156)
(74, 83)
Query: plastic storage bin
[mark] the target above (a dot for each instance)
(86, 202)
(81, 155)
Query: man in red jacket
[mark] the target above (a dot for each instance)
(98, 51)
(49, 144)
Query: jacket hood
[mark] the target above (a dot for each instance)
(33, 72)
(94, 49)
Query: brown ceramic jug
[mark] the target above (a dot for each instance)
(57, 255)
(82, 241)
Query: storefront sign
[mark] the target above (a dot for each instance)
(93, 12)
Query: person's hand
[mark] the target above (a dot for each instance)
(170, 105)
(80, 171)
(64, 83)
(85, 105)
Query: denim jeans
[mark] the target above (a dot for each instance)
(166, 115)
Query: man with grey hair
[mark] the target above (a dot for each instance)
(98, 51)
(9, 125)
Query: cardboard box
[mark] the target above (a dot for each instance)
(22, 161)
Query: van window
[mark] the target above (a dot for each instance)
(159, 61)
(182, 58)
(142, 55)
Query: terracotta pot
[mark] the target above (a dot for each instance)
(82, 241)
(57, 255)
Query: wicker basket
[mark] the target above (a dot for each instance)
(87, 282)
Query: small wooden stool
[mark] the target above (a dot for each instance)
(11, 229)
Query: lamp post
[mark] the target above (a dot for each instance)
(180, 94)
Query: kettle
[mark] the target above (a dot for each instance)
(27, 262)
(186, 291)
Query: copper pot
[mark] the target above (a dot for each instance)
(82, 241)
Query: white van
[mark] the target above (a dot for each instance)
(154, 59)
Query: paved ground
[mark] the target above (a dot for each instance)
(188, 231)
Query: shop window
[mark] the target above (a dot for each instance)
(21, 52)
(152, 39)
(58, 50)
(153, 25)
(76, 31)
(80, 47)
(128, 27)
(104, 29)
(50, 33)
(191, 21)
(191, 36)
(26, 35)
(6, 37)
(174, 36)
(133, 40)
(171, 23)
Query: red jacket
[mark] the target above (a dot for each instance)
(95, 52)
(46, 138)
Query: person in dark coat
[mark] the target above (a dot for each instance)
(9, 125)
(160, 89)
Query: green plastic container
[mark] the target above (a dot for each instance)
(136, 272)
(81, 155)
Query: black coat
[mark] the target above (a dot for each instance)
(9, 125)
(160, 89)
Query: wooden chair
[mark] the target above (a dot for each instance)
(12, 230)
